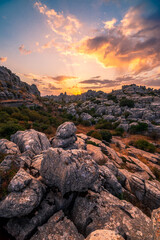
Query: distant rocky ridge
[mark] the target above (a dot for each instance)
(132, 89)
(13, 89)
(62, 190)
(127, 108)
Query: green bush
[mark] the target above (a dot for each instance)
(106, 135)
(103, 124)
(9, 128)
(90, 133)
(112, 97)
(141, 127)
(97, 135)
(4, 116)
(118, 132)
(126, 102)
(144, 145)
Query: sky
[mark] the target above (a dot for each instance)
(76, 45)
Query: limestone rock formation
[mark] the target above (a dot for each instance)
(68, 170)
(58, 227)
(31, 140)
(8, 147)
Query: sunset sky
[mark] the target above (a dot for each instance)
(76, 45)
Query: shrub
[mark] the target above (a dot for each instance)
(126, 102)
(118, 132)
(106, 135)
(112, 97)
(3, 116)
(144, 145)
(96, 135)
(90, 133)
(6, 130)
(103, 124)
(92, 143)
(141, 127)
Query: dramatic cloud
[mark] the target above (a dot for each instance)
(24, 51)
(132, 45)
(64, 26)
(3, 59)
(46, 78)
(110, 24)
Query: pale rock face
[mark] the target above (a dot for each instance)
(86, 117)
(26, 195)
(19, 181)
(71, 170)
(8, 147)
(66, 130)
(31, 140)
(65, 136)
(96, 154)
(104, 235)
(104, 211)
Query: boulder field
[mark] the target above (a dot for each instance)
(76, 187)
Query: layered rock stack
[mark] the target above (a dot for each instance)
(65, 135)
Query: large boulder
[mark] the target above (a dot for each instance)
(8, 147)
(31, 140)
(26, 194)
(58, 227)
(66, 130)
(104, 211)
(104, 235)
(68, 170)
(22, 228)
(65, 135)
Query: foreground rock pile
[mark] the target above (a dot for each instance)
(65, 188)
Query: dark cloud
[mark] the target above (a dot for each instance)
(52, 87)
(96, 81)
(132, 44)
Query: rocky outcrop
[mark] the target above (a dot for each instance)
(26, 194)
(104, 235)
(69, 171)
(11, 87)
(31, 140)
(8, 147)
(57, 227)
(65, 135)
(104, 211)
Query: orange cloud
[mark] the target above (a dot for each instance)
(3, 59)
(64, 26)
(24, 51)
(132, 45)
(110, 24)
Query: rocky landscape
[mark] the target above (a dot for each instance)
(96, 177)
(74, 186)
(14, 92)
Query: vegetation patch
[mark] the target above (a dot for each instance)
(125, 102)
(144, 145)
(139, 128)
(100, 135)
